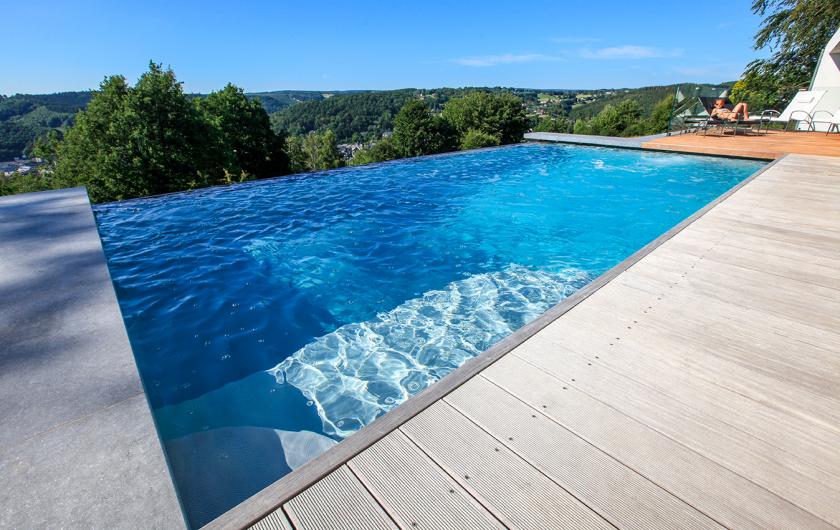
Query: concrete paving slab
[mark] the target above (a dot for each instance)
(78, 447)
(100, 471)
(589, 139)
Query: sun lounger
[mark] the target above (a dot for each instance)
(722, 125)
(832, 120)
(801, 108)
(704, 122)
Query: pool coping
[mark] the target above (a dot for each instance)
(79, 444)
(638, 143)
(272, 497)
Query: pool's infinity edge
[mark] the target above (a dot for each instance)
(275, 495)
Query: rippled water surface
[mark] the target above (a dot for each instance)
(272, 319)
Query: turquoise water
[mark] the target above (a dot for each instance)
(272, 319)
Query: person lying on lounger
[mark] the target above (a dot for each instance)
(719, 112)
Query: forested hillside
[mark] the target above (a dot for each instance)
(26, 117)
(363, 117)
(280, 99)
(352, 116)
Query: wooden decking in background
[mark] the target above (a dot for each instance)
(772, 145)
(700, 388)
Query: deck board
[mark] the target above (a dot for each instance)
(774, 144)
(414, 490)
(275, 521)
(339, 500)
(700, 387)
(733, 501)
(732, 448)
(609, 486)
(495, 474)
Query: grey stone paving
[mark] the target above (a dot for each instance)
(587, 139)
(78, 447)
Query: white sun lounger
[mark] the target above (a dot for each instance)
(801, 108)
(833, 120)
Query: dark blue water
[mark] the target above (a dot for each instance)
(272, 319)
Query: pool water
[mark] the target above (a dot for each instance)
(272, 319)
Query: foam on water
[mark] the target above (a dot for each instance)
(362, 370)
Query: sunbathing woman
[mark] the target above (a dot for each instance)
(719, 112)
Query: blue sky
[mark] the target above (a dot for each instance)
(273, 45)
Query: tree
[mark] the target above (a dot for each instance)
(549, 124)
(498, 114)
(152, 138)
(796, 31)
(384, 149)
(247, 144)
(46, 146)
(622, 119)
(418, 132)
(761, 89)
(660, 117)
(313, 152)
(474, 139)
(132, 142)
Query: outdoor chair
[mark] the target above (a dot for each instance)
(704, 122)
(801, 108)
(833, 120)
(722, 125)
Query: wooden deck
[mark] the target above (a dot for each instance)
(772, 145)
(698, 387)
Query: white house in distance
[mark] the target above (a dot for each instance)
(827, 78)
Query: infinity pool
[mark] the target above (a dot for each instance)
(272, 319)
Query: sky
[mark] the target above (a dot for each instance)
(326, 45)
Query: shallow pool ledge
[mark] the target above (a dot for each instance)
(78, 447)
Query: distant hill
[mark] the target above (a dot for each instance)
(362, 117)
(647, 97)
(25, 117)
(354, 115)
(280, 99)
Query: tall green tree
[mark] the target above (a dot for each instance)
(796, 31)
(498, 114)
(313, 151)
(247, 145)
(145, 140)
(151, 138)
(418, 132)
(622, 119)
(658, 120)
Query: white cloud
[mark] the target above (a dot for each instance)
(507, 58)
(629, 51)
